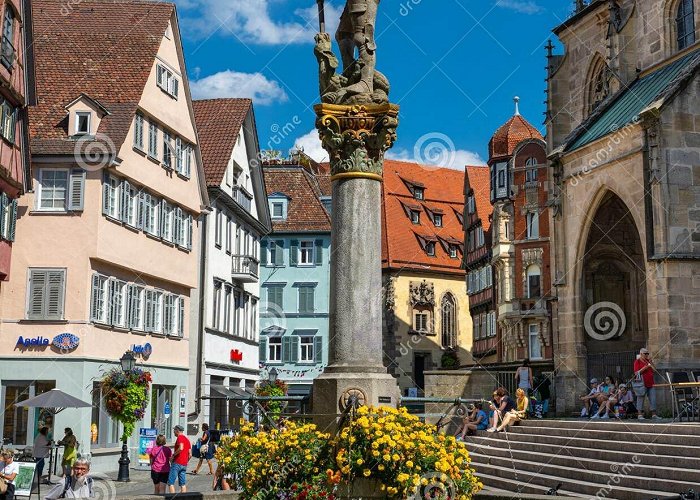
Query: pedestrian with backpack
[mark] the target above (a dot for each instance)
(77, 485)
(159, 457)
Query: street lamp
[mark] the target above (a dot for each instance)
(272, 375)
(128, 362)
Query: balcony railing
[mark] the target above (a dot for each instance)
(242, 198)
(245, 268)
(7, 53)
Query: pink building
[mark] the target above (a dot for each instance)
(14, 163)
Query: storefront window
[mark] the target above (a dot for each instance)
(104, 432)
(162, 395)
(21, 424)
(217, 407)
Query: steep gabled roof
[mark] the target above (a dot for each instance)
(219, 123)
(478, 179)
(510, 134)
(402, 241)
(305, 212)
(104, 48)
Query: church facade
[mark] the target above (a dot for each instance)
(624, 152)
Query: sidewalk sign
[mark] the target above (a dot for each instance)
(25, 479)
(147, 439)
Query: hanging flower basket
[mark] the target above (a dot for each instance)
(126, 396)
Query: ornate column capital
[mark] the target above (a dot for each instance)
(356, 137)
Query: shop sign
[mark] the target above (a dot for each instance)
(144, 350)
(147, 439)
(65, 341)
(236, 356)
(35, 342)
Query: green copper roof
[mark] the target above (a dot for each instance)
(631, 102)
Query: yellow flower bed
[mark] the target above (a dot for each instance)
(406, 457)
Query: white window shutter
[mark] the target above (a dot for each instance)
(76, 189)
(188, 162)
(106, 190)
(95, 313)
(189, 232)
(181, 317)
(176, 86)
(178, 154)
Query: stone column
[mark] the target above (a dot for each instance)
(356, 137)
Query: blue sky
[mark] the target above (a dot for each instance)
(454, 66)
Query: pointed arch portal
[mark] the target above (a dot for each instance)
(613, 291)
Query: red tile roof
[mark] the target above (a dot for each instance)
(401, 245)
(510, 134)
(305, 213)
(478, 179)
(103, 48)
(219, 123)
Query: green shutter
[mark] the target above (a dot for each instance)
(263, 349)
(3, 207)
(263, 252)
(13, 221)
(293, 252)
(294, 357)
(318, 254)
(279, 252)
(286, 349)
(318, 350)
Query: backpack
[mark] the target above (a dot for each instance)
(67, 485)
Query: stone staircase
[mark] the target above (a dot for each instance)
(626, 460)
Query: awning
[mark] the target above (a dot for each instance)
(273, 331)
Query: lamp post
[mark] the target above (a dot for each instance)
(128, 362)
(272, 375)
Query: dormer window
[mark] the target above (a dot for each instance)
(453, 251)
(430, 248)
(167, 81)
(415, 216)
(82, 122)
(277, 210)
(437, 220)
(418, 193)
(471, 205)
(278, 207)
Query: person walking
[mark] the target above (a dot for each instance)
(42, 449)
(159, 457)
(523, 377)
(70, 451)
(8, 472)
(644, 383)
(181, 456)
(206, 450)
(77, 485)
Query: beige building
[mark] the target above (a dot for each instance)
(107, 238)
(427, 325)
(623, 132)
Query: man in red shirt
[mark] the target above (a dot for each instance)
(181, 455)
(644, 369)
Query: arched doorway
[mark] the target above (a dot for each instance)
(614, 291)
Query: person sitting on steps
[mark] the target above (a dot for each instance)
(504, 404)
(517, 414)
(475, 420)
(622, 398)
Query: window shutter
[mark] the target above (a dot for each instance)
(148, 311)
(76, 189)
(263, 349)
(181, 316)
(95, 298)
(279, 253)
(142, 205)
(3, 209)
(105, 193)
(263, 252)
(188, 161)
(318, 254)
(37, 291)
(54, 294)
(130, 303)
(163, 203)
(190, 222)
(294, 356)
(176, 86)
(178, 154)
(13, 221)
(286, 349)
(124, 193)
(318, 350)
(293, 252)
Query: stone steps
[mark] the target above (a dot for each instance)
(502, 484)
(625, 460)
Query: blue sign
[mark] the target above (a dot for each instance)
(144, 350)
(147, 439)
(167, 410)
(65, 341)
(35, 342)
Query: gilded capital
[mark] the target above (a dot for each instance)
(356, 137)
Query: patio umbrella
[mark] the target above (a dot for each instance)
(55, 401)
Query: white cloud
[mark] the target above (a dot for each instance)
(251, 21)
(311, 145)
(230, 83)
(521, 6)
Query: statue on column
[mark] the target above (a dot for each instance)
(360, 82)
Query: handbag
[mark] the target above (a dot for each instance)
(204, 449)
(3, 486)
(638, 386)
